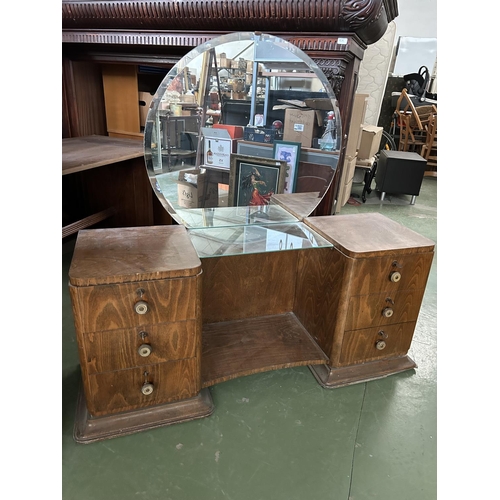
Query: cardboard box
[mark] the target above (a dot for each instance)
(356, 124)
(346, 179)
(370, 141)
(217, 147)
(300, 126)
(191, 189)
(235, 131)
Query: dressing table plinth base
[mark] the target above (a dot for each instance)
(88, 429)
(331, 378)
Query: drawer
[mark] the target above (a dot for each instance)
(117, 391)
(391, 273)
(366, 311)
(375, 343)
(110, 307)
(119, 349)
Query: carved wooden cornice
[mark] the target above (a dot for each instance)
(125, 21)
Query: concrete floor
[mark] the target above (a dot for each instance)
(278, 435)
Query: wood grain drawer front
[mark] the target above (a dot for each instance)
(391, 273)
(375, 343)
(128, 348)
(366, 311)
(110, 307)
(117, 391)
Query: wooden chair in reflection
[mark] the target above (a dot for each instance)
(412, 122)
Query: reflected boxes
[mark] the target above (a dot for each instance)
(218, 146)
(300, 126)
(191, 189)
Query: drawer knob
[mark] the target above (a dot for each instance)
(145, 350)
(395, 276)
(141, 307)
(380, 345)
(147, 389)
(388, 312)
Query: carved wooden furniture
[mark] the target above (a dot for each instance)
(100, 37)
(156, 326)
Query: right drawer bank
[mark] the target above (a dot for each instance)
(375, 296)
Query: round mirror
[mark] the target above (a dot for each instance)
(243, 129)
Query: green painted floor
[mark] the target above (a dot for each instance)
(278, 435)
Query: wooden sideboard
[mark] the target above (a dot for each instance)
(157, 325)
(104, 179)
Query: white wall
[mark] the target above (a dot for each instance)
(416, 18)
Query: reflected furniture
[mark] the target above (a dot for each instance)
(162, 313)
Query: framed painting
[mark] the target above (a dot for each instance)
(253, 180)
(289, 152)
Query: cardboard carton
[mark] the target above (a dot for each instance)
(217, 147)
(300, 126)
(355, 128)
(235, 131)
(370, 141)
(192, 191)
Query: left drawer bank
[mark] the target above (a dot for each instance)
(136, 297)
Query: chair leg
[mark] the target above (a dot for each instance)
(413, 198)
(382, 196)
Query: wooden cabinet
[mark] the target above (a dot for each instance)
(382, 273)
(153, 335)
(136, 303)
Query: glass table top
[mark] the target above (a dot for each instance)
(259, 238)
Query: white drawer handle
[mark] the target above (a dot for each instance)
(141, 307)
(144, 350)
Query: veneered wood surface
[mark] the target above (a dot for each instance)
(300, 205)
(120, 390)
(359, 346)
(119, 349)
(245, 286)
(320, 302)
(369, 235)
(121, 95)
(237, 348)
(118, 255)
(84, 153)
(374, 275)
(110, 307)
(366, 310)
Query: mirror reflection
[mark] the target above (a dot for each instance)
(244, 129)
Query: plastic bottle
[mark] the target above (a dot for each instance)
(328, 141)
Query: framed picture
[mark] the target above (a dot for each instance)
(253, 180)
(290, 152)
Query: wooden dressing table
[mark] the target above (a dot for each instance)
(157, 325)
